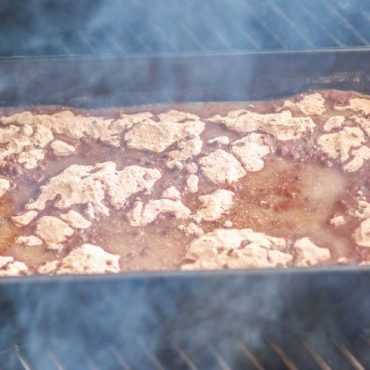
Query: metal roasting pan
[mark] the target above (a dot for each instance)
(149, 317)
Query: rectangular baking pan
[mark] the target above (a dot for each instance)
(147, 316)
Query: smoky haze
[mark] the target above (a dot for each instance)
(68, 27)
(135, 317)
(102, 322)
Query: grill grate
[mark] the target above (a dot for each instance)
(334, 355)
(46, 27)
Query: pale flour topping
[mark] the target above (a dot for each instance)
(334, 123)
(25, 144)
(251, 150)
(4, 186)
(91, 185)
(75, 220)
(281, 125)
(339, 144)
(221, 167)
(214, 205)
(61, 148)
(192, 183)
(142, 215)
(223, 140)
(308, 253)
(29, 241)
(310, 105)
(52, 230)
(244, 248)
(25, 218)
(171, 193)
(10, 267)
(235, 248)
(157, 136)
(86, 259)
(357, 104)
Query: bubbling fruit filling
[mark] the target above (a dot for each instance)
(196, 186)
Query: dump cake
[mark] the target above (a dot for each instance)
(188, 186)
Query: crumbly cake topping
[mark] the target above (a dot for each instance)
(172, 127)
(91, 185)
(283, 125)
(61, 148)
(308, 253)
(310, 105)
(25, 218)
(357, 104)
(142, 215)
(192, 183)
(186, 179)
(86, 259)
(25, 145)
(244, 248)
(29, 241)
(214, 205)
(4, 186)
(334, 122)
(10, 267)
(221, 167)
(251, 150)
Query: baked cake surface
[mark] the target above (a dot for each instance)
(190, 186)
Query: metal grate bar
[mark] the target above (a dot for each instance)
(317, 357)
(242, 38)
(21, 359)
(350, 357)
(130, 29)
(320, 24)
(284, 358)
(259, 21)
(352, 30)
(154, 360)
(334, 355)
(219, 35)
(185, 357)
(54, 359)
(220, 361)
(292, 25)
(204, 33)
(143, 26)
(332, 23)
(251, 357)
(361, 22)
(158, 34)
(118, 356)
(89, 360)
(190, 34)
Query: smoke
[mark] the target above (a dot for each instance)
(109, 319)
(46, 27)
(139, 316)
(154, 314)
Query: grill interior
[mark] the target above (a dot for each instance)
(271, 321)
(327, 352)
(46, 27)
(133, 27)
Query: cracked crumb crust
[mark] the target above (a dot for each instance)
(189, 186)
